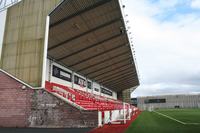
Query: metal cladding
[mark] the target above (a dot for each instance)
(23, 42)
(168, 101)
(90, 37)
(87, 36)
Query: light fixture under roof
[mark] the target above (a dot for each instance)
(76, 26)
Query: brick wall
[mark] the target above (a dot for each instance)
(49, 111)
(38, 108)
(14, 103)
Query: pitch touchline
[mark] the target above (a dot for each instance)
(184, 123)
(170, 118)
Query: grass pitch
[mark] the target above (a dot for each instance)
(152, 122)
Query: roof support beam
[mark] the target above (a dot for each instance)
(117, 75)
(80, 12)
(110, 71)
(84, 33)
(121, 86)
(107, 66)
(114, 75)
(126, 81)
(89, 47)
(120, 77)
(104, 61)
(89, 58)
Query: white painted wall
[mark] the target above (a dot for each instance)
(96, 85)
(78, 86)
(2, 28)
(50, 78)
(106, 117)
(89, 90)
(45, 51)
(114, 95)
(99, 118)
(115, 115)
(55, 79)
(183, 101)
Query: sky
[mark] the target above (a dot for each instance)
(166, 37)
(2, 26)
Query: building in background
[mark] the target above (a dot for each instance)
(167, 101)
(69, 62)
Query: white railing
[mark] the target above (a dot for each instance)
(4, 4)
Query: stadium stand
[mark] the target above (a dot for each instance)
(70, 61)
(83, 99)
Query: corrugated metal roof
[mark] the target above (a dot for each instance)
(89, 37)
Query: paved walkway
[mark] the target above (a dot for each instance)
(44, 130)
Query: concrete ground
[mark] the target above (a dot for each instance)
(44, 130)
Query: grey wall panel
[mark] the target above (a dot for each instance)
(23, 45)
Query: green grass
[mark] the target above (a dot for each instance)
(150, 122)
(184, 115)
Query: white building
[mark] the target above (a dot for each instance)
(168, 101)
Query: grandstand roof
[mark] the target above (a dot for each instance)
(90, 37)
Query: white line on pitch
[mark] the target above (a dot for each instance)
(184, 123)
(170, 118)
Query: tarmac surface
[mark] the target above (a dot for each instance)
(44, 130)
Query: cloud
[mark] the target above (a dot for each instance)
(165, 89)
(167, 51)
(195, 4)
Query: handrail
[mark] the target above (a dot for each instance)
(19, 80)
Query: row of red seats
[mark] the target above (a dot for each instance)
(84, 99)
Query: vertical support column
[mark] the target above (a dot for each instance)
(100, 89)
(111, 116)
(45, 52)
(72, 79)
(92, 87)
(50, 70)
(124, 112)
(129, 111)
(99, 118)
(86, 84)
(2, 30)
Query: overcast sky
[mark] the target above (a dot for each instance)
(166, 36)
(167, 41)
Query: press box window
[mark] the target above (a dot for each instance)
(79, 81)
(96, 89)
(89, 85)
(107, 92)
(61, 74)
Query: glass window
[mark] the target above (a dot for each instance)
(89, 85)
